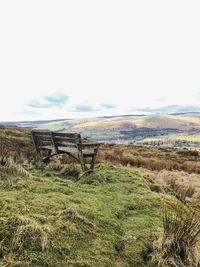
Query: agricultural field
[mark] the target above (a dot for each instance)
(173, 140)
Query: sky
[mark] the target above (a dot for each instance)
(70, 59)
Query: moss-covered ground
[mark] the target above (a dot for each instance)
(108, 218)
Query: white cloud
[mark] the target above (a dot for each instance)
(125, 53)
(56, 99)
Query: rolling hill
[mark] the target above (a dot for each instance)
(173, 129)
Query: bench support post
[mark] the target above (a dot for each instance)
(81, 160)
(93, 160)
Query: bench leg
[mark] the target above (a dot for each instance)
(93, 162)
(38, 157)
(84, 169)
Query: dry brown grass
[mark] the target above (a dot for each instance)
(186, 153)
(10, 167)
(54, 166)
(150, 158)
(16, 143)
(177, 247)
(185, 186)
(181, 190)
(72, 170)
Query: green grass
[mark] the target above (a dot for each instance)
(56, 126)
(84, 221)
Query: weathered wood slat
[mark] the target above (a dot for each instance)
(68, 149)
(64, 139)
(44, 143)
(65, 144)
(46, 147)
(42, 133)
(88, 153)
(83, 145)
(45, 138)
(68, 135)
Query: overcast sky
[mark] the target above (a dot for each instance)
(61, 59)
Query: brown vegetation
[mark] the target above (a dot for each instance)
(16, 142)
(181, 190)
(151, 158)
(171, 171)
(178, 244)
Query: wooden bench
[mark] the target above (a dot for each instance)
(65, 143)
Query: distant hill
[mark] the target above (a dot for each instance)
(126, 128)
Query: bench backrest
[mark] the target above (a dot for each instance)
(41, 139)
(66, 139)
(54, 140)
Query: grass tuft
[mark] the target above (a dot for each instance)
(181, 190)
(10, 167)
(178, 244)
(71, 170)
(20, 232)
(30, 235)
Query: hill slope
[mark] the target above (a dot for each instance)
(106, 219)
(112, 217)
(130, 128)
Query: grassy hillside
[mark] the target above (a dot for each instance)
(146, 130)
(106, 219)
(113, 217)
(183, 122)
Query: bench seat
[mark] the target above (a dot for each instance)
(74, 150)
(70, 150)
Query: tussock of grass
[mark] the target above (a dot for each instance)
(16, 221)
(10, 167)
(53, 166)
(178, 244)
(31, 235)
(20, 232)
(70, 214)
(181, 190)
(73, 216)
(71, 170)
